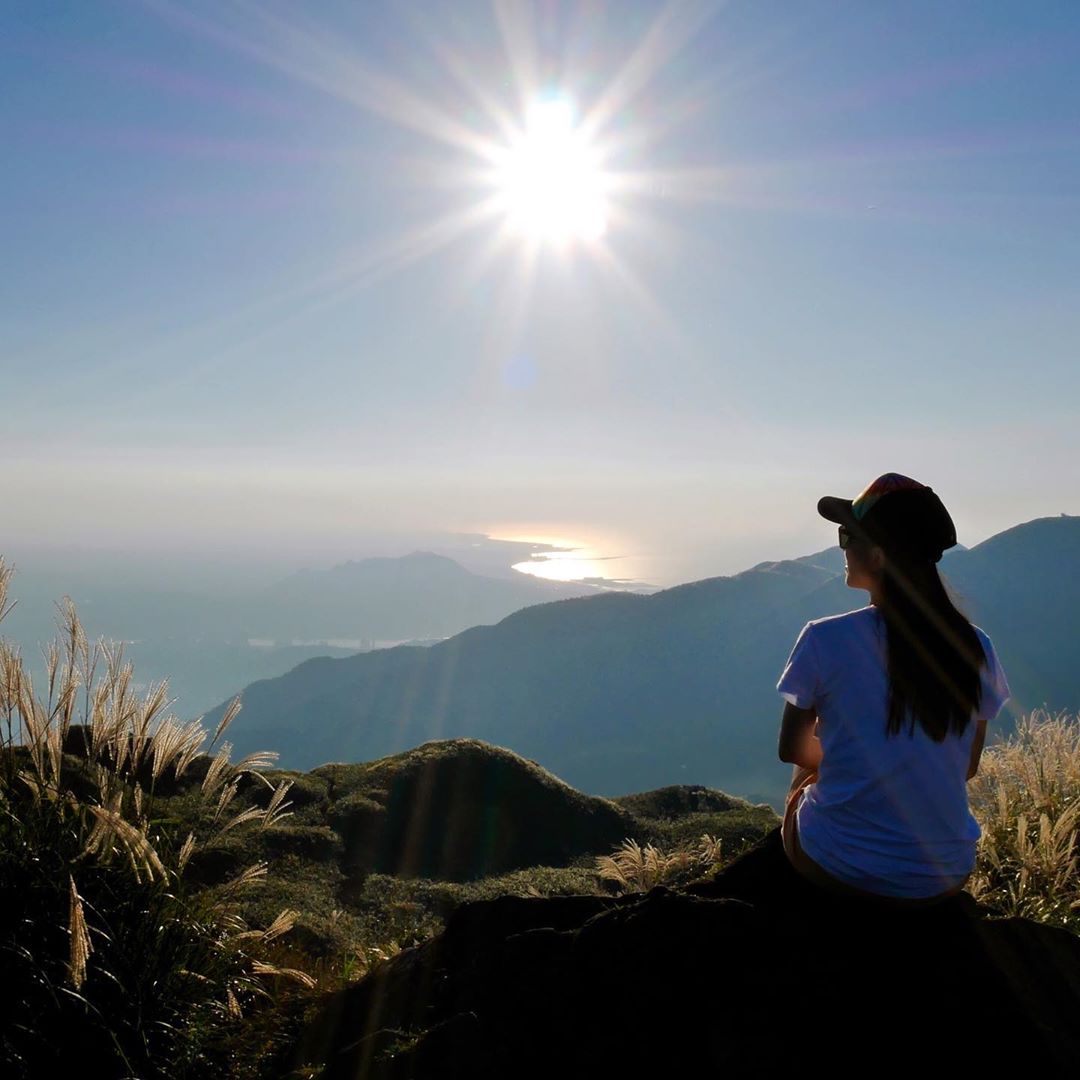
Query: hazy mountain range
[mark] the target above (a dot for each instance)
(621, 692)
(208, 643)
(421, 595)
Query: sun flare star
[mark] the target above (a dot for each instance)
(519, 168)
(549, 181)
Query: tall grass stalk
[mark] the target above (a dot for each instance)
(633, 868)
(1026, 798)
(110, 960)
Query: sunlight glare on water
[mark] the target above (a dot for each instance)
(577, 565)
(601, 560)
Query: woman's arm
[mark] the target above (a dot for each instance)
(798, 744)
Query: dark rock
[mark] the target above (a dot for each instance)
(754, 972)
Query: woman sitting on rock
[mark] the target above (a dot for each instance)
(886, 712)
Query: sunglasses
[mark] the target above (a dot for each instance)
(846, 537)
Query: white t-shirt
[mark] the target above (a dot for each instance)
(888, 814)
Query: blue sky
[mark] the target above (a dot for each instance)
(227, 320)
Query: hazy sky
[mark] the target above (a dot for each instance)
(259, 291)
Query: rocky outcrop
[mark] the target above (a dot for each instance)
(755, 972)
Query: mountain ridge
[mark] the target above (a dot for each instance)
(621, 691)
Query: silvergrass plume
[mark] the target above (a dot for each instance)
(81, 946)
(102, 788)
(1026, 798)
(226, 720)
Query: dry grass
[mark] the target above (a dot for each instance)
(1026, 798)
(127, 743)
(636, 869)
(81, 766)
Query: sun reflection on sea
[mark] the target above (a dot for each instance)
(558, 558)
(578, 564)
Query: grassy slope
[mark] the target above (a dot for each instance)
(380, 852)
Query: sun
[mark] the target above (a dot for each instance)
(549, 181)
(522, 166)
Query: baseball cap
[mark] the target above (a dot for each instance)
(898, 514)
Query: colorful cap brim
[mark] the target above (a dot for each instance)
(835, 509)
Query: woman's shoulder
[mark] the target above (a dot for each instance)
(993, 662)
(846, 620)
(850, 630)
(987, 645)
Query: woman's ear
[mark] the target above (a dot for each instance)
(877, 559)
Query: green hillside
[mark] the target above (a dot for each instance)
(382, 851)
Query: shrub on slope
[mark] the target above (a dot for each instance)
(112, 965)
(1026, 797)
(460, 810)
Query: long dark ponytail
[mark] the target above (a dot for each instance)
(934, 654)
